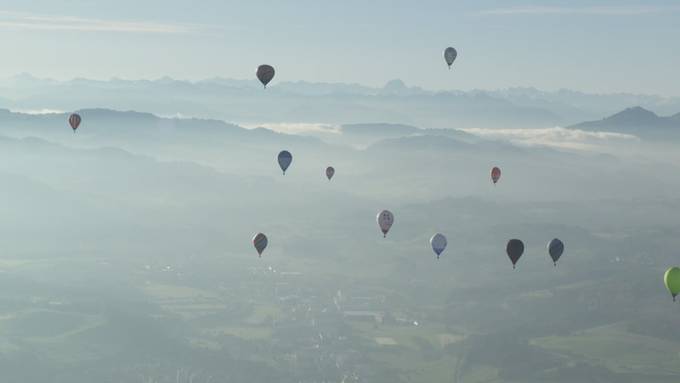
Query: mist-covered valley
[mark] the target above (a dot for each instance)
(127, 255)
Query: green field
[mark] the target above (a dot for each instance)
(617, 349)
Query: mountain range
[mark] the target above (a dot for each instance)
(245, 102)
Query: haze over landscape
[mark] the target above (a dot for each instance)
(125, 245)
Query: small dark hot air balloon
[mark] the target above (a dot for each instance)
(450, 55)
(438, 243)
(495, 174)
(74, 120)
(265, 73)
(515, 249)
(385, 220)
(260, 242)
(285, 159)
(555, 249)
(330, 171)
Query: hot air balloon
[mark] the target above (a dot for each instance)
(555, 249)
(495, 174)
(330, 171)
(672, 281)
(74, 120)
(260, 242)
(514, 248)
(450, 55)
(285, 158)
(385, 220)
(438, 242)
(265, 73)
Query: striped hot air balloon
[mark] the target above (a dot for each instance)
(74, 120)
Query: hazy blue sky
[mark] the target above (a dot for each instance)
(603, 46)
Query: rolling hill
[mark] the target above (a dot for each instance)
(637, 121)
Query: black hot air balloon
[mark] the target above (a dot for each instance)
(515, 249)
(555, 249)
(265, 73)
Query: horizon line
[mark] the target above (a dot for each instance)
(255, 81)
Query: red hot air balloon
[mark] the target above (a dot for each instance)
(495, 174)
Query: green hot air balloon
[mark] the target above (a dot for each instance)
(672, 280)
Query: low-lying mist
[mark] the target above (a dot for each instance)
(126, 252)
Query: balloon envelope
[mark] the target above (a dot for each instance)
(495, 174)
(260, 242)
(74, 120)
(285, 158)
(672, 281)
(438, 242)
(515, 249)
(330, 171)
(265, 73)
(555, 249)
(385, 220)
(450, 55)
